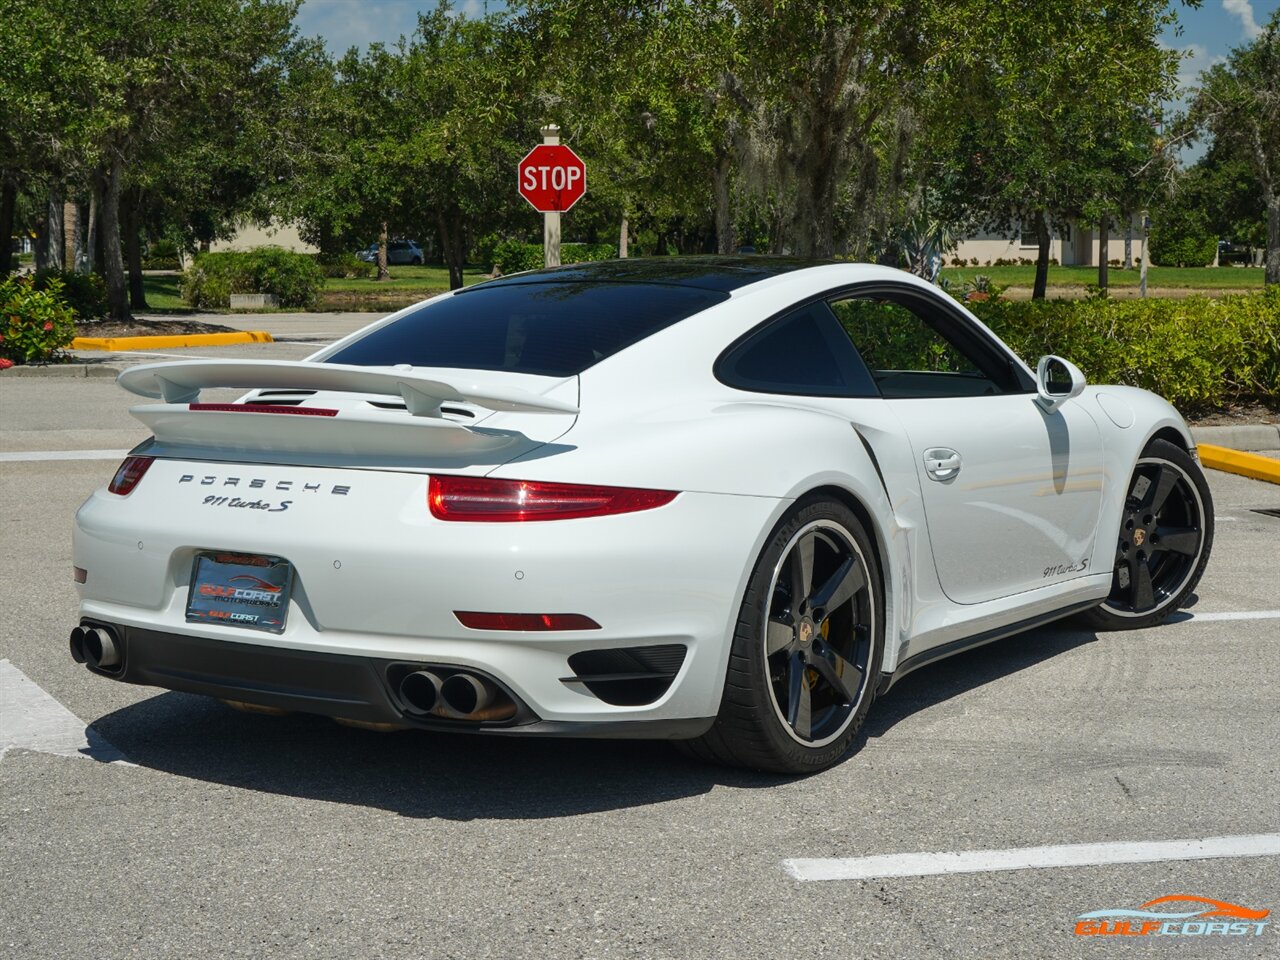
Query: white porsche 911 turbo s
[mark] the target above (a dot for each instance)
(721, 501)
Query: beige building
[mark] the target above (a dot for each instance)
(250, 235)
(1072, 246)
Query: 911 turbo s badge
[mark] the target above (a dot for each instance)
(237, 503)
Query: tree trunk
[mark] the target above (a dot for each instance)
(53, 232)
(383, 272)
(70, 233)
(327, 241)
(93, 242)
(453, 245)
(813, 219)
(623, 237)
(40, 248)
(724, 211)
(8, 205)
(113, 256)
(1042, 257)
(1128, 241)
(1104, 251)
(1273, 240)
(133, 255)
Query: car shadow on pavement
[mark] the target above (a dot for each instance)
(467, 777)
(953, 676)
(412, 773)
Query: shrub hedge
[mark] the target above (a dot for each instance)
(345, 266)
(1198, 353)
(295, 278)
(512, 256)
(35, 320)
(85, 293)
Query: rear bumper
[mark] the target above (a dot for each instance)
(350, 687)
(377, 579)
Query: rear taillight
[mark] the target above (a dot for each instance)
(485, 499)
(131, 471)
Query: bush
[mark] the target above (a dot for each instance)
(1180, 237)
(345, 266)
(1197, 353)
(84, 293)
(35, 321)
(162, 255)
(512, 256)
(295, 278)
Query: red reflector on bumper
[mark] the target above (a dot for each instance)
(262, 408)
(525, 621)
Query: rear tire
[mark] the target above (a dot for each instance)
(1164, 541)
(807, 647)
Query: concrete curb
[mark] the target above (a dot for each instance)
(62, 370)
(180, 340)
(1244, 436)
(1245, 464)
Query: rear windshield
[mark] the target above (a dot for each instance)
(551, 329)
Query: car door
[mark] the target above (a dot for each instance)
(1011, 491)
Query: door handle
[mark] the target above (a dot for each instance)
(941, 463)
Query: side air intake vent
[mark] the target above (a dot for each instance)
(627, 676)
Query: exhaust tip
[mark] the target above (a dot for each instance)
(466, 694)
(420, 691)
(77, 645)
(99, 647)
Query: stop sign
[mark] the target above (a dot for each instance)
(552, 177)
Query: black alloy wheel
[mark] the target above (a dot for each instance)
(818, 633)
(807, 649)
(1163, 545)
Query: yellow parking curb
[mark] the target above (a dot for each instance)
(1237, 461)
(180, 340)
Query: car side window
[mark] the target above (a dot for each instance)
(911, 354)
(803, 352)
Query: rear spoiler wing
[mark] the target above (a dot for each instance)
(181, 382)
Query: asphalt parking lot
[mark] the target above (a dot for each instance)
(136, 822)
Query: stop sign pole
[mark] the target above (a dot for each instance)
(551, 218)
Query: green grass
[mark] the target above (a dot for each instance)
(1193, 278)
(162, 294)
(427, 277)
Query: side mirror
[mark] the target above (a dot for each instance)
(1057, 381)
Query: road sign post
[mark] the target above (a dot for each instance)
(552, 178)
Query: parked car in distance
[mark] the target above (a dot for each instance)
(1229, 252)
(399, 252)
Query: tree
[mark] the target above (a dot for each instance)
(1239, 103)
(1055, 109)
(118, 88)
(832, 83)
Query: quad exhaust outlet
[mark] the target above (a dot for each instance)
(96, 646)
(459, 696)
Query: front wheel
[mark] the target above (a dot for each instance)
(1166, 533)
(807, 650)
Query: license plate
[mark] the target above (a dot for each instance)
(240, 590)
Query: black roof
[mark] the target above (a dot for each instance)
(708, 273)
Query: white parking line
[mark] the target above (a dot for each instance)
(30, 719)
(1032, 858)
(31, 456)
(1234, 615)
